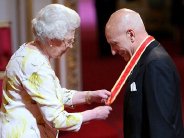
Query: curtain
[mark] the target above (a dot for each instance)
(5, 47)
(5, 51)
(0, 91)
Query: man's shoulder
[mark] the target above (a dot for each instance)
(157, 54)
(159, 58)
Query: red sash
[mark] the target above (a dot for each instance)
(129, 67)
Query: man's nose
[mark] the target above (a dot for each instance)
(113, 52)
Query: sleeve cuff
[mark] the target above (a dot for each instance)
(70, 101)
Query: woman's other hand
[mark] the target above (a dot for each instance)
(98, 113)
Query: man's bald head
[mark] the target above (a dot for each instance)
(125, 19)
(125, 32)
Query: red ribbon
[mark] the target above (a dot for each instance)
(129, 67)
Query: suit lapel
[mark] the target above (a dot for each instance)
(138, 68)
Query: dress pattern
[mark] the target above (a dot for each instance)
(33, 101)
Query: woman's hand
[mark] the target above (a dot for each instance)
(98, 113)
(98, 96)
(101, 112)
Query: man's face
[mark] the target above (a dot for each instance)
(119, 43)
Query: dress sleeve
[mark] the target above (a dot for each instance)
(65, 94)
(159, 96)
(43, 86)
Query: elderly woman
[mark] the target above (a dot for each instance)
(33, 103)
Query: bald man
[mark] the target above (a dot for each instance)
(152, 105)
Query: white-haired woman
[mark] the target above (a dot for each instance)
(33, 103)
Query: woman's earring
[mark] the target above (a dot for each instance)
(51, 45)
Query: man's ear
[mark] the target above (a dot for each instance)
(131, 35)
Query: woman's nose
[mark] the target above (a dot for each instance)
(70, 46)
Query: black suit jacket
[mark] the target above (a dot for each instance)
(152, 105)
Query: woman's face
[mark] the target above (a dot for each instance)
(58, 47)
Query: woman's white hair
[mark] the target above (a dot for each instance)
(55, 21)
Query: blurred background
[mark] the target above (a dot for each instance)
(90, 65)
